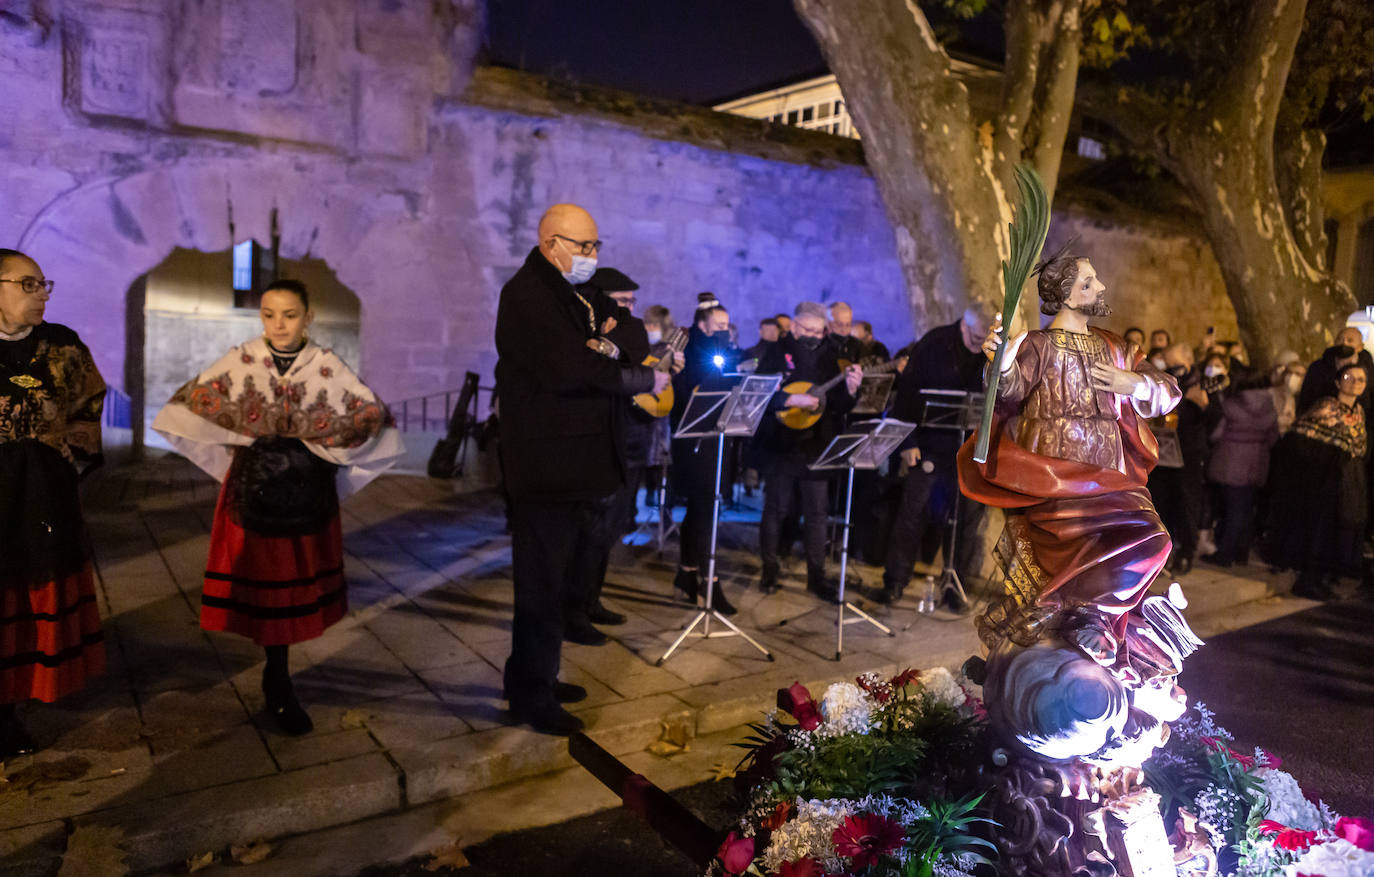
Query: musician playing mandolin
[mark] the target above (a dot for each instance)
(802, 356)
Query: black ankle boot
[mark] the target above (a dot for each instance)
(718, 601)
(282, 705)
(14, 737)
(686, 582)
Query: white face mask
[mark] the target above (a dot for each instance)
(583, 267)
(1212, 371)
(1159, 363)
(1294, 383)
(655, 336)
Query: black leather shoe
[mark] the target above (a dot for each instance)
(768, 581)
(826, 591)
(566, 692)
(884, 595)
(284, 709)
(1312, 589)
(686, 582)
(547, 718)
(1216, 558)
(584, 635)
(602, 615)
(563, 692)
(15, 740)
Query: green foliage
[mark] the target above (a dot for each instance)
(949, 830)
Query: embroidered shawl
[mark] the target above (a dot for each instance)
(319, 401)
(55, 394)
(1330, 422)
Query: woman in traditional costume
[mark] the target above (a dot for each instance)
(51, 397)
(275, 419)
(1319, 504)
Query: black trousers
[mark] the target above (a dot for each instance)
(548, 540)
(1237, 530)
(591, 558)
(694, 474)
(1178, 495)
(783, 485)
(926, 504)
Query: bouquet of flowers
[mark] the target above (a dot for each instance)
(875, 778)
(1256, 814)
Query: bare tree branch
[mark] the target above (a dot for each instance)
(1252, 90)
(1056, 89)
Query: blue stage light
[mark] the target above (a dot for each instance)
(718, 360)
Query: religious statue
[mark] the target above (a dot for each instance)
(1081, 666)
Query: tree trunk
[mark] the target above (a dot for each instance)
(1282, 299)
(920, 143)
(944, 183)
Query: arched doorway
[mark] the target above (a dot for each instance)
(184, 314)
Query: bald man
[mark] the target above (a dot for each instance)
(841, 325)
(560, 379)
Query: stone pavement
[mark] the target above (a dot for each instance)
(168, 756)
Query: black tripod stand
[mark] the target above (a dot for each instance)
(959, 411)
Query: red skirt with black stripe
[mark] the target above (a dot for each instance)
(50, 638)
(275, 590)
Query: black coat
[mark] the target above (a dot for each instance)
(939, 361)
(559, 398)
(780, 445)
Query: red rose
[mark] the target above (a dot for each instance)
(799, 703)
(803, 867)
(1285, 838)
(736, 853)
(246, 358)
(904, 678)
(779, 815)
(866, 838)
(326, 371)
(1358, 831)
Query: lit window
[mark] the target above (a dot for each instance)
(792, 118)
(1090, 148)
(823, 111)
(807, 114)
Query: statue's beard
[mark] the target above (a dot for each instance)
(1099, 308)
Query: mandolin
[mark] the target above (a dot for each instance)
(805, 418)
(662, 404)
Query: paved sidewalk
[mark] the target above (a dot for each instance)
(168, 755)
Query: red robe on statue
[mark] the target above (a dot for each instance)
(1072, 461)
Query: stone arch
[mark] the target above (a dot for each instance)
(99, 239)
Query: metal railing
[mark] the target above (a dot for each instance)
(119, 410)
(431, 413)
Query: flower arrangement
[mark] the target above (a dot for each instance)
(1260, 822)
(875, 778)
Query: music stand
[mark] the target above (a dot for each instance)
(961, 411)
(864, 445)
(873, 395)
(720, 413)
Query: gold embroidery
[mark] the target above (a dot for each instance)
(28, 382)
(1092, 345)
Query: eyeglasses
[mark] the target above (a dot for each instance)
(584, 248)
(31, 285)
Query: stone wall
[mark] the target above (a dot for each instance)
(134, 127)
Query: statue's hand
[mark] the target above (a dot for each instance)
(1096, 642)
(1116, 380)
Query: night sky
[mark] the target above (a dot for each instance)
(699, 51)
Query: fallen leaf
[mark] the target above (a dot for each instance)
(674, 739)
(722, 770)
(449, 857)
(200, 862)
(354, 718)
(252, 853)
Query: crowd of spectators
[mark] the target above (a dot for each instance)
(1266, 464)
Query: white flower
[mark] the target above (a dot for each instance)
(846, 710)
(1335, 858)
(810, 831)
(1286, 804)
(943, 687)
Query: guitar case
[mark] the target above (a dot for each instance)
(450, 454)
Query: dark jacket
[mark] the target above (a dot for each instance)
(939, 361)
(559, 398)
(1321, 380)
(1248, 428)
(633, 427)
(701, 369)
(779, 444)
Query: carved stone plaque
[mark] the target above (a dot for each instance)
(114, 73)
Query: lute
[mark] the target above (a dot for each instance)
(660, 405)
(805, 418)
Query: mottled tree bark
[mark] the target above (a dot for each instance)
(1223, 152)
(943, 179)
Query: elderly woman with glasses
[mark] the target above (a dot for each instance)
(51, 397)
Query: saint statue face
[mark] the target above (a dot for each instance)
(1089, 295)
